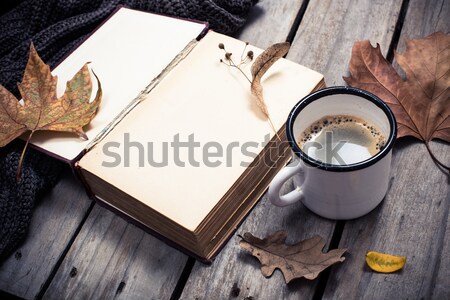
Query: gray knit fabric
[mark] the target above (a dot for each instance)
(56, 27)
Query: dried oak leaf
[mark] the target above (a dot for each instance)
(304, 259)
(42, 109)
(421, 103)
(260, 66)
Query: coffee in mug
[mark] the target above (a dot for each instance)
(341, 139)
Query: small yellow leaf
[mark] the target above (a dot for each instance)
(384, 263)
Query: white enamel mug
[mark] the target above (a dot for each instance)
(336, 191)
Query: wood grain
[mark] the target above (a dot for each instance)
(413, 220)
(54, 222)
(269, 22)
(440, 281)
(328, 30)
(423, 18)
(111, 258)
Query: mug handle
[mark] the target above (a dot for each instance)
(278, 181)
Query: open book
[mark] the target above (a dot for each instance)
(178, 145)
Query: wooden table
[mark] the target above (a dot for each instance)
(76, 249)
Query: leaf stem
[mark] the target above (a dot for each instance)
(435, 159)
(19, 168)
(232, 64)
(242, 54)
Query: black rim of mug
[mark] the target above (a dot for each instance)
(334, 91)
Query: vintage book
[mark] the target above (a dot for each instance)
(178, 146)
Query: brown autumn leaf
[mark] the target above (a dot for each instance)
(260, 66)
(303, 259)
(42, 109)
(421, 103)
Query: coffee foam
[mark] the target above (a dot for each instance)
(362, 139)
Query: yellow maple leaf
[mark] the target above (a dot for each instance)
(42, 109)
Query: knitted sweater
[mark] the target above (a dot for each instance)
(56, 27)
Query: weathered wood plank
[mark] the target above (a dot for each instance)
(329, 28)
(430, 16)
(111, 258)
(424, 18)
(440, 282)
(270, 22)
(234, 272)
(413, 220)
(55, 220)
